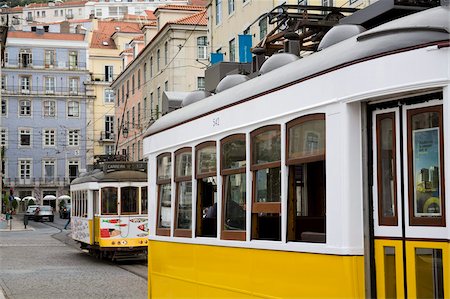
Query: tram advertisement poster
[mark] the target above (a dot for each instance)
(426, 172)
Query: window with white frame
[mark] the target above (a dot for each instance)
(25, 58)
(4, 137)
(73, 137)
(25, 84)
(201, 47)
(49, 58)
(109, 73)
(200, 83)
(109, 149)
(4, 107)
(49, 137)
(73, 85)
(73, 109)
(49, 108)
(25, 137)
(109, 127)
(262, 28)
(218, 12)
(73, 60)
(109, 96)
(4, 82)
(49, 169)
(232, 47)
(25, 168)
(50, 85)
(230, 6)
(25, 108)
(98, 12)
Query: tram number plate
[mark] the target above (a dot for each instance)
(216, 122)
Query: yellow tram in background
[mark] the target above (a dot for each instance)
(323, 177)
(109, 210)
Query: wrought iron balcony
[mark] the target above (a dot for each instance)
(107, 136)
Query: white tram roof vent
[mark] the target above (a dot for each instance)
(231, 81)
(276, 61)
(339, 33)
(195, 96)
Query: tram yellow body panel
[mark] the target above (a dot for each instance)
(180, 270)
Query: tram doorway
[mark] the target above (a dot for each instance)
(411, 252)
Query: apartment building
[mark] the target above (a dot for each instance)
(43, 111)
(173, 60)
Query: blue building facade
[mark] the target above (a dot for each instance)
(43, 117)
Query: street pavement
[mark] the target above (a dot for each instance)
(42, 261)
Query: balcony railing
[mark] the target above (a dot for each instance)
(42, 90)
(107, 136)
(40, 64)
(104, 78)
(37, 182)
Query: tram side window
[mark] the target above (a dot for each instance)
(183, 180)
(266, 169)
(96, 203)
(144, 200)
(85, 204)
(426, 166)
(109, 200)
(164, 171)
(129, 197)
(306, 194)
(233, 162)
(206, 222)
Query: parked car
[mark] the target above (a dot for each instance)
(30, 211)
(44, 212)
(65, 211)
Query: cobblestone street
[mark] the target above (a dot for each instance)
(45, 263)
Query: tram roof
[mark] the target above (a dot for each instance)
(424, 27)
(113, 176)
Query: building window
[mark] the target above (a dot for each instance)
(183, 191)
(73, 166)
(109, 75)
(49, 169)
(139, 79)
(4, 107)
(266, 168)
(109, 149)
(25, 137)
(109, 127)
(25, 169)
(166, 86)
(151, 67)
(127, 125)
(73, 86)
(50, 85)
(307, 185)
(98, 12)
(163, 181)
(25, 58)
(132, 117)
(132, 84)
(49, 108)
(230, 7)
(25, 108)
(73, 137)
(109, 200)
(145, 73)
(139, 115)
(129, 200)
(206, 189)
(6, 58)
(4, 138)
(234, 187)
(232, 46)
(218, 12)
(123, 93)
(25, 84)
(138, 150)
(200, 83)
(201, 47)
(145, 109)
(426, 166)
(73, 109)
(158, 60)
(49, 137)
(262, 28)
(49, 58)
(109, 96)
(73, 60)
(166, 53)
(56, 13)
(128, 88)
(4, 83)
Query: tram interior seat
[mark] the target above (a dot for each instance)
(209, 227)
(310, 229)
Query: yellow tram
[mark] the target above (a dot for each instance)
(109, 210)
(323, 177)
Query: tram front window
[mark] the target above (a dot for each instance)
(306, 196)
(109, 201)
(129, 200)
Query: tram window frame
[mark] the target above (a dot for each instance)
(312, 228)
(201, 212)
(225, 172)
(179, 179)
(382, 219)
(265, 215)
(425, 220)
(95, 196)
(161, 182)
(123, 200)
(103, 212)
(144, 200)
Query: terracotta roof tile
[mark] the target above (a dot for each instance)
(127, 51)
(181, 7)
(195, 19)
(13, 9)
(150, 15)
(57, 4)
(107, 28)
(139, 38)
(46, 35)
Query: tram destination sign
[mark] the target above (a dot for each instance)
(111, 166)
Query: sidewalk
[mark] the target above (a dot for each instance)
(16, 224)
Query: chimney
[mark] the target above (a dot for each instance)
(64, 27)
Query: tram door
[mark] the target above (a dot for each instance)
(408, 197)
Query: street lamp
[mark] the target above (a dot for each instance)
(125, 131)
